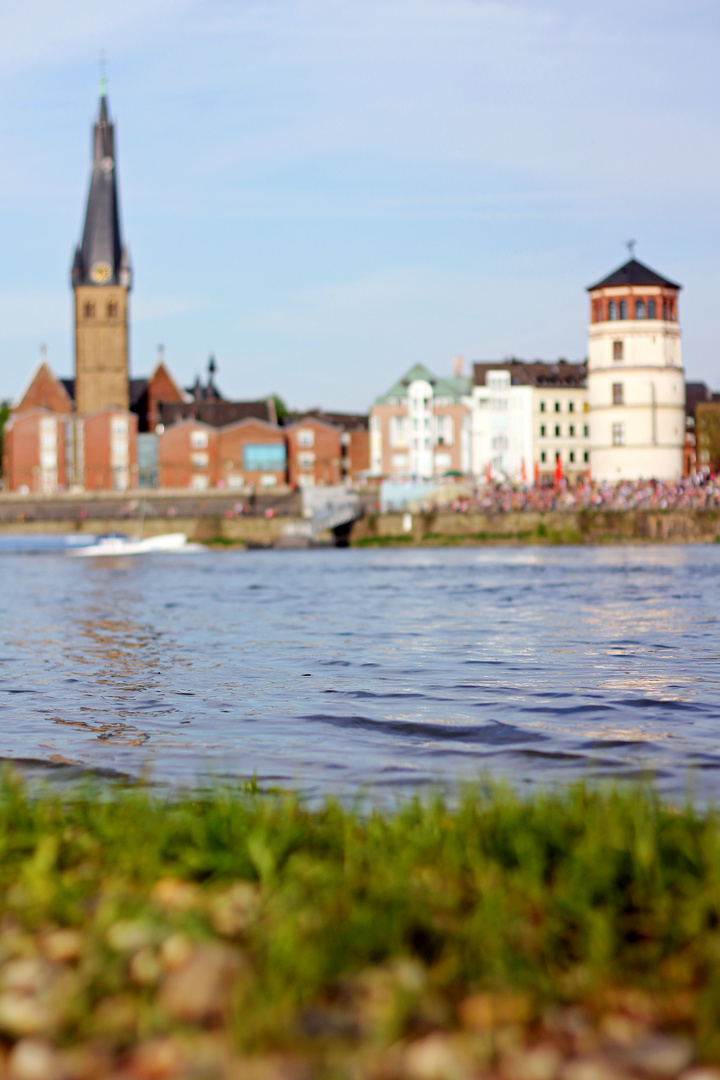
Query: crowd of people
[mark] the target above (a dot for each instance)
(697, 492)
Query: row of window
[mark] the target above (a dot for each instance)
(570, 431)
(111, 310)
(610, 310)
(558, 406)
(558, 457)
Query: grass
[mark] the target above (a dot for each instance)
(351, 930)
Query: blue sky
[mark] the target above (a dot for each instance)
(324, 193)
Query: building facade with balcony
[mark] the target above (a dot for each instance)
(421, 426)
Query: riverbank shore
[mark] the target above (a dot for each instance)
(427, 529)
(244, 935)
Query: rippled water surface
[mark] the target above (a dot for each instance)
(333, 670)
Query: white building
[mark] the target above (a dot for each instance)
(636, 382)
(528, 418)
(421, 426)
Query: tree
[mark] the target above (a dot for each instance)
(4, 415)
(707, 435)
(281, 409)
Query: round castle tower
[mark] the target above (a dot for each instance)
(636, 383)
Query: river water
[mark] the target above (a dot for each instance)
(367, 670)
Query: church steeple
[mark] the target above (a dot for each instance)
(101, 258)
(101, 283)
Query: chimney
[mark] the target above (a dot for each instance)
(457, 366)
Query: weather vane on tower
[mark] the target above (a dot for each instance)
(630, 245)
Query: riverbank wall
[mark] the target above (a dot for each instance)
(554, 527)
(214, 519)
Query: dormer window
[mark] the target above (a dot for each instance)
(639, 309)
(612, 310)
(623, 309)
(651, 309)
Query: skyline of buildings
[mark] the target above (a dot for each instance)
(620, 416)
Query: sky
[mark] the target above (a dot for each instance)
(323, 193)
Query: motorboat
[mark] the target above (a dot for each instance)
(116, 544)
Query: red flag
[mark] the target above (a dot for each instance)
(558, 470)
(536, 472)
(488, 473)
(523, 472)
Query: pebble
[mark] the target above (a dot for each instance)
(129, 935)
(145, 969)
(33, 1059)
(232, 911)
(174, 894)
(539, 1063)
(63, 946)
(483, 1012)
(157, 1059)
(659, 1056)
(198, 991)
(435, 1057)
(175, 951)
(24, 1014)
(591, 1069)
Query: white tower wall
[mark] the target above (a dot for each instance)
(636, 391)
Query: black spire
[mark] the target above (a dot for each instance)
(101, 258)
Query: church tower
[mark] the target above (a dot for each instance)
(101, 283)
(636, 384)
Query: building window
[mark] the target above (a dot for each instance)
(586, 457)
(557, 458)
(571, 406)
(598, 311)
(623, 309)
(639, 309)
(617, 350)
(618, 434)
(542, 431)
(444, 432)
(586, 431)
(571, 431)
(612, 311)
(557, 431)
(652, 309)
(306, 459)
(264, 457)
(557, 406)
(198, 440)
(89, 311)
(542, 406)
(665, 309)
(618, 393)
(399, 432)
(199, 460)
(543, 457)
(571, 456)
(112, 310)
(306, 437)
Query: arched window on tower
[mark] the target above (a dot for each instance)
(612, 310)
(598, 311)
(112, 309)
(623, 309)
(89, 310)
(652, 309)
(665, 309)
(639, 309)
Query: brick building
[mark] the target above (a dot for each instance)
(252, 454)
(314, 450)
(188, 455)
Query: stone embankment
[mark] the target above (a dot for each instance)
(270, 520)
